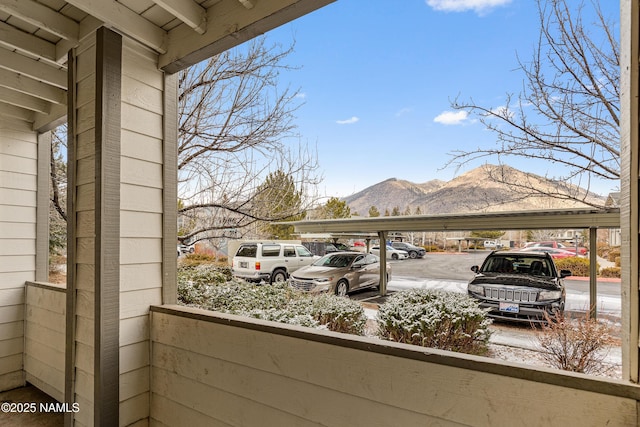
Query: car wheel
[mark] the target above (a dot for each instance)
(279, 276)
(394, 256)
(342, 288)
(413, 254)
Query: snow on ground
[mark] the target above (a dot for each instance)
(516, 344)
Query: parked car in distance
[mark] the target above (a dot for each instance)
(185, 249)
(342, 246)
(269, 261)
(519, 286)
(392, 253)
(413, 251)
(492, 244)
(339, 273)
(581, 251)
(555, 253)
(320, 248)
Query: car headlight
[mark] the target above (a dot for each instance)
(476, 289)
(549, 295)
(323, 280)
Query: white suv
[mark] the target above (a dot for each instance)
(271, 262)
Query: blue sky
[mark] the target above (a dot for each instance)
(377, 78)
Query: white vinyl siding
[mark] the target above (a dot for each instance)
(18, 191)
(140, 222)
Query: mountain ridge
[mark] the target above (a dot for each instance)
(483, 189)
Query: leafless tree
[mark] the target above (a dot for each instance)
(58, 191)
(235, 127)
(568, 111)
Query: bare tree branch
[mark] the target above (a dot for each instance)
(568, 111)
(235, 128)
(58, 172)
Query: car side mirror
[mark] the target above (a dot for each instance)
(475, 269)
(565, 273)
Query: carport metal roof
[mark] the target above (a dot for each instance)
(523, 220)
(591, 219)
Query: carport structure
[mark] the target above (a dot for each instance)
(113, 341)
(589, 219)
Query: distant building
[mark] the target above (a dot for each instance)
(613, 201)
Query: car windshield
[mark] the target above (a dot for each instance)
(536, 266)
(335, 260)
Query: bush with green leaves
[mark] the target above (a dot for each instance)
(578, 266)
(614, 253)
(204, 274)
(200, 258)
(195, 279)
(602, 249)
(611, 272)
(278, 302)
(338, 314)
(438, 319)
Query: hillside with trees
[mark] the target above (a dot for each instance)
(473, 191)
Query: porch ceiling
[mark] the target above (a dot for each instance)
(35, 36)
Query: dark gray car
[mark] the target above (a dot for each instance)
(412, 250)
(519, 286)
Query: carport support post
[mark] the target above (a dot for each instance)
(593, 272)
(382, 236)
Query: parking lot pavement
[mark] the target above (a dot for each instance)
(452, 285)
(451, 272)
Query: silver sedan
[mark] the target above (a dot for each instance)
(339, 273)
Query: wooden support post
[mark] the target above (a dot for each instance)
(593, 272)
(382, 236)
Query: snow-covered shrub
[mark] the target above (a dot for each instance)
(438, 319)
(334, 313)
(204, 274)
(244, 298)
(194, 281)
(577, 345)
(278, 302)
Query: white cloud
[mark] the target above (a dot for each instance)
(301, 95)
(452, 117)
(350, 121)
(403, 111)
(478, 6)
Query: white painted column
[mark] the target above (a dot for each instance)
(629, 182)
